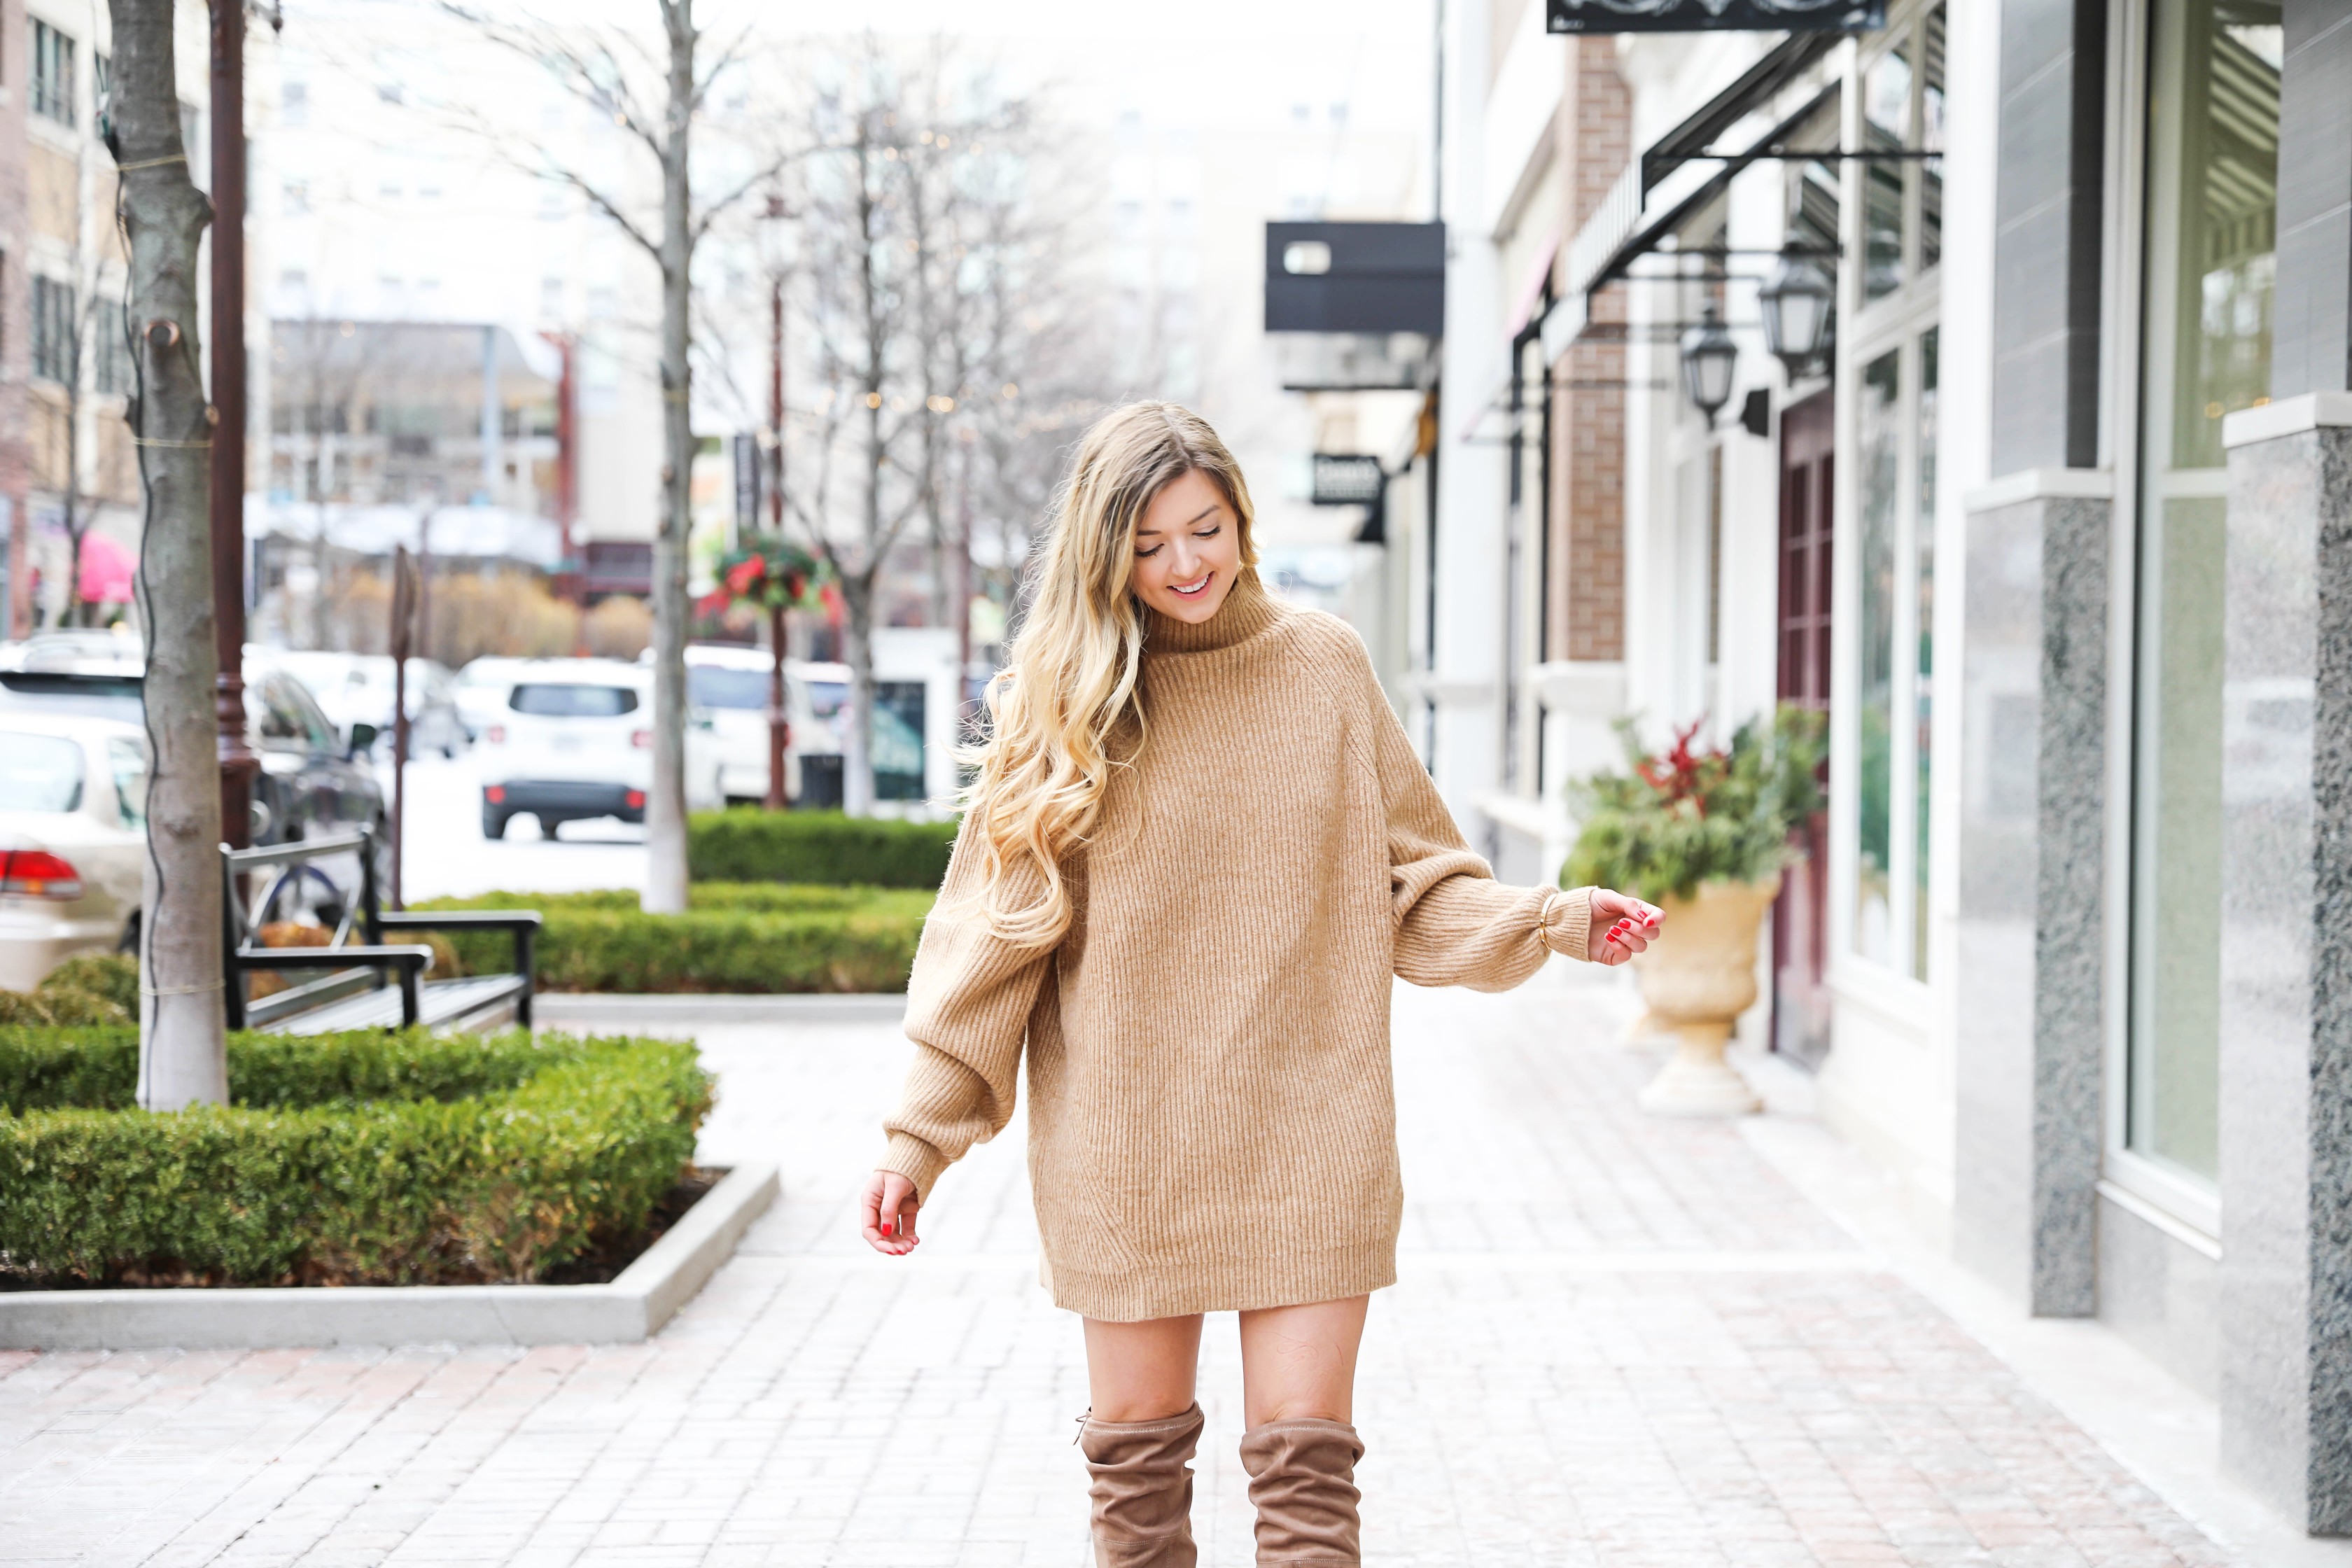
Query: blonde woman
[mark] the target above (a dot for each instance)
(1198, 848)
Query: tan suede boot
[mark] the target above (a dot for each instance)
(1303, 1479)
(1141, 1489)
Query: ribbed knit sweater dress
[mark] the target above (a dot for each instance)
(1212, 1125)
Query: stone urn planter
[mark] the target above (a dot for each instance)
(1696, 981)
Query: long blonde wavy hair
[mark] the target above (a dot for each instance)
(1068, 696)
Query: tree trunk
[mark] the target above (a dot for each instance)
(665, 890)
(857, 735)
(182, 1060)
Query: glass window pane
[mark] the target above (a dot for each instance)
(1880, 451)
(1886, 122)
(39, 773)
(1931, 138)
(1922, 535)
(2212, 215)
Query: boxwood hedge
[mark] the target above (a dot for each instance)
(732, 937)
(368, 1158)
(748, 844)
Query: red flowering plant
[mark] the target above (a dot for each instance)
(771, 573)
(1689, 814)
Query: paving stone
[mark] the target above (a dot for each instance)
(1619, 1342)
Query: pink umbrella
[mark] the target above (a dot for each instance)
(107, 568)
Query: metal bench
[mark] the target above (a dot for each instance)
(375, 984)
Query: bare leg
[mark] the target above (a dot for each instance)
(1299, 1361)
(1142, 1372)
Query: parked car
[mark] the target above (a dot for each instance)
(729, 683)
(354, 688)
(575, 743)
(310, 783)
(897, 739)
(479, 690)
(73, 801)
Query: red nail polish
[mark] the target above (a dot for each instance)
(888, 1228)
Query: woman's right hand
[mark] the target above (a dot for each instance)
(889, 1206)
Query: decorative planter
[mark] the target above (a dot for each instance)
(1695, 982)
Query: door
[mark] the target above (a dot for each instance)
(1801, 1003)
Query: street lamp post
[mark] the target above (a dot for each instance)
(237, 762)
(779, 724)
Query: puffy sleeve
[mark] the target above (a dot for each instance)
(967, 1005)
(1456, 925)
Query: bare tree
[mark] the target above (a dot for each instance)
(655, 97)
(182, 1055)
(931, 225)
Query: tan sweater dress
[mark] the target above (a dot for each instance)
(1212, 1125)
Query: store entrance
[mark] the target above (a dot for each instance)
(1801, 1003)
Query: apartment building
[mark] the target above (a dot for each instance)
(69, 473)
(2047, 519)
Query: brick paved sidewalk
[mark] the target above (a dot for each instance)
(1617, 1341)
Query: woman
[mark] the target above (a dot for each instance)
(1198, 848)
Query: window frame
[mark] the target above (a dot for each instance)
(1868, 328)
(49, 79)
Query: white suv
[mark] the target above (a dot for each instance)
(575, 743)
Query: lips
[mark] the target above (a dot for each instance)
(1192, 589)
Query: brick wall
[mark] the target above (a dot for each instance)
(1586, 590)
(16, 319)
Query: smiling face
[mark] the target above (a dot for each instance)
(1187, 549)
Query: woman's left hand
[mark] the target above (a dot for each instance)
(1620, 926)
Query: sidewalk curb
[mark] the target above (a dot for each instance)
(630, 1309)
(606, 1010)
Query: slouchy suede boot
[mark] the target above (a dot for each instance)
(1141, 1489)
(1303, 1479)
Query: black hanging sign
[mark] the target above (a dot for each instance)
(1714, 16)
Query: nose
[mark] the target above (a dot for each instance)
(1183, 560)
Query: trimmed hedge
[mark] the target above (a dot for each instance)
(753, 937)
(748, 844)
(367, 1158)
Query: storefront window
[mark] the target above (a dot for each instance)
(1903, 196)
(1882, 447)
(1923, 534)
(2212, 222)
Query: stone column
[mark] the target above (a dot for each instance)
(2286, 960)
(2032, 856)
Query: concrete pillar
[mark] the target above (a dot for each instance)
(2286, 960)
(2028, 1042)
(1465, 685)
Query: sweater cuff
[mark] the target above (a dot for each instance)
(917, 1160)
(1567, 923)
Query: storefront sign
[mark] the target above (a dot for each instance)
(1714, 16)
(1347, 479)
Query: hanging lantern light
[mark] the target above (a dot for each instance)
(1708, 358)
(1795, 301)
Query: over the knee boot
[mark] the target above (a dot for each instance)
(1141, 1489)
(1303, 1479)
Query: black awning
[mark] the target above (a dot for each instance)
(1646, 236)
(1758, 85)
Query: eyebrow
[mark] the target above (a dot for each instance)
(1154, 533)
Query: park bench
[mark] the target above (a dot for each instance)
(376, 983)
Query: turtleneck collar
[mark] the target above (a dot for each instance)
(1248, 610)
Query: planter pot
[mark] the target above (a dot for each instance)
(1695, 982)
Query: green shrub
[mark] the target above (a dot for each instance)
(748, 844)
(1671, 821)
(24, 1010)
(111, 976)
(361, 1158)
(733, 937)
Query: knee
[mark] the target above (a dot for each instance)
(1300, 1407)
(1125, 1407)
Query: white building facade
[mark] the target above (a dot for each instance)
(2046, 528)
